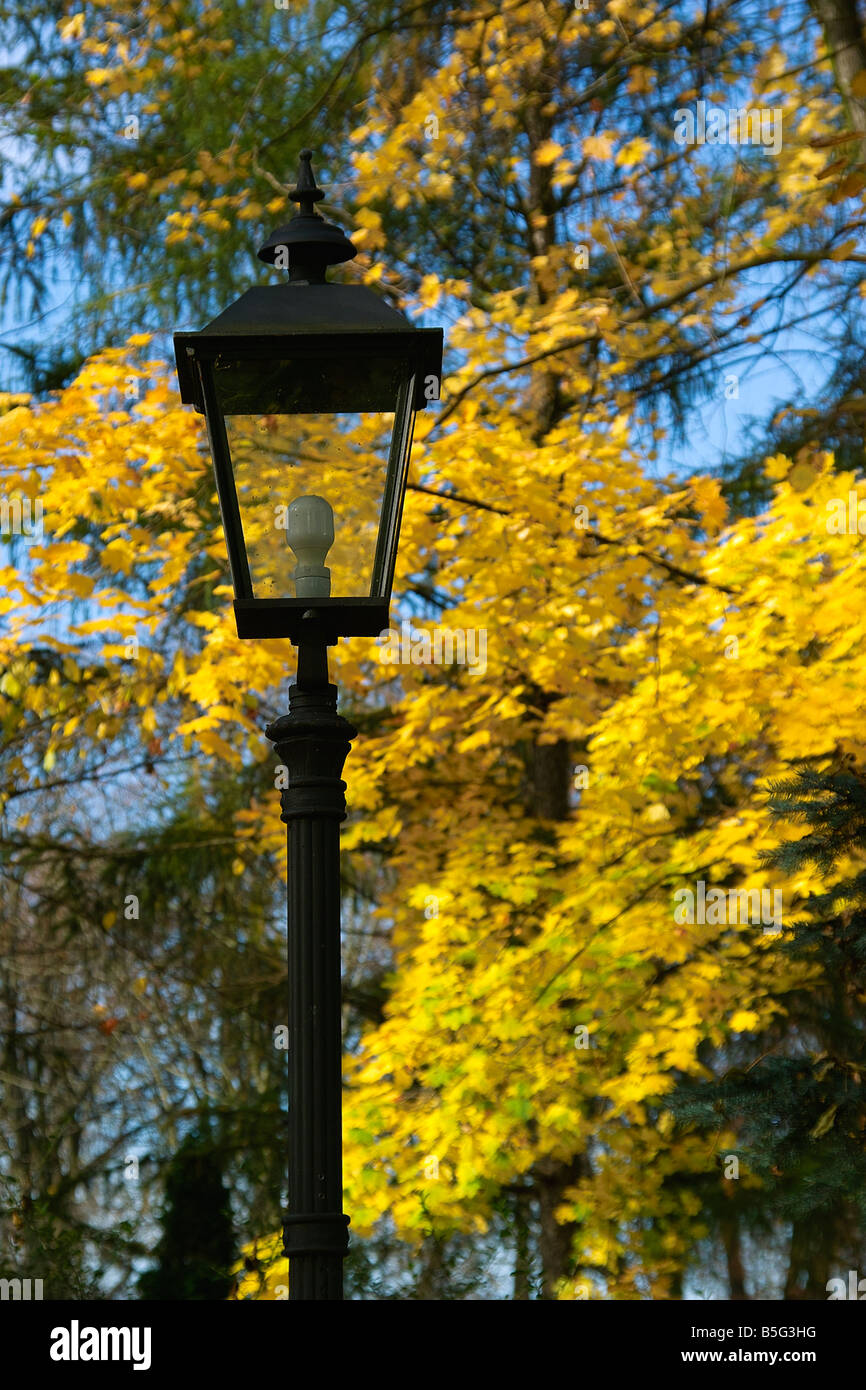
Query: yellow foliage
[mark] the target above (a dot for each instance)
(262, 1272)
(543, 998)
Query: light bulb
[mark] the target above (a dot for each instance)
(310, 534)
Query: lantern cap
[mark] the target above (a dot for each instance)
(308, 244)
(293, 309)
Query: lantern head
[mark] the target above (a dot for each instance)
(309, 390)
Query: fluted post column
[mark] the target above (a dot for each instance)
(313, 741)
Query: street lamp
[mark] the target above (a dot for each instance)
(309, 390)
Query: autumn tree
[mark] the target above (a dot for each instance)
(521, 998)
(140, 139)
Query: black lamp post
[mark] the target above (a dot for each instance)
(310, 391)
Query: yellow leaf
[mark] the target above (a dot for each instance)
(71, 28)
(777, 467)
(476, 740)
(710, 502)
(633, 152)
(825, 1123)
(430, 291)
(80, 584)
(598, 146)
(548, 152)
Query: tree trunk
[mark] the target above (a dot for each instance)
(734, 1257)
(522, 1252)
(809, 1256)
(846, 47)
(556, 1240)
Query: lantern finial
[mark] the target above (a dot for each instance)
(308, 244)
(306, 192)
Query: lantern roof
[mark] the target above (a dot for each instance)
(301, 308)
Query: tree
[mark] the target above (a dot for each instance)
(794, 1093)
(197, 1248)
(139, 138)
(523, 997)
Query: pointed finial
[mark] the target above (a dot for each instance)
(305, 191)
(308, 244)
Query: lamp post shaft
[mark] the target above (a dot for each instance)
(313, 741)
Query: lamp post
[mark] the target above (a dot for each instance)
(309, 390)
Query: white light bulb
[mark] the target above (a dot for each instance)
(310, 534)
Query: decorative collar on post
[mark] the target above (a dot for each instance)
(308, 244)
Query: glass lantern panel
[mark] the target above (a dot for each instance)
(310, 478)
